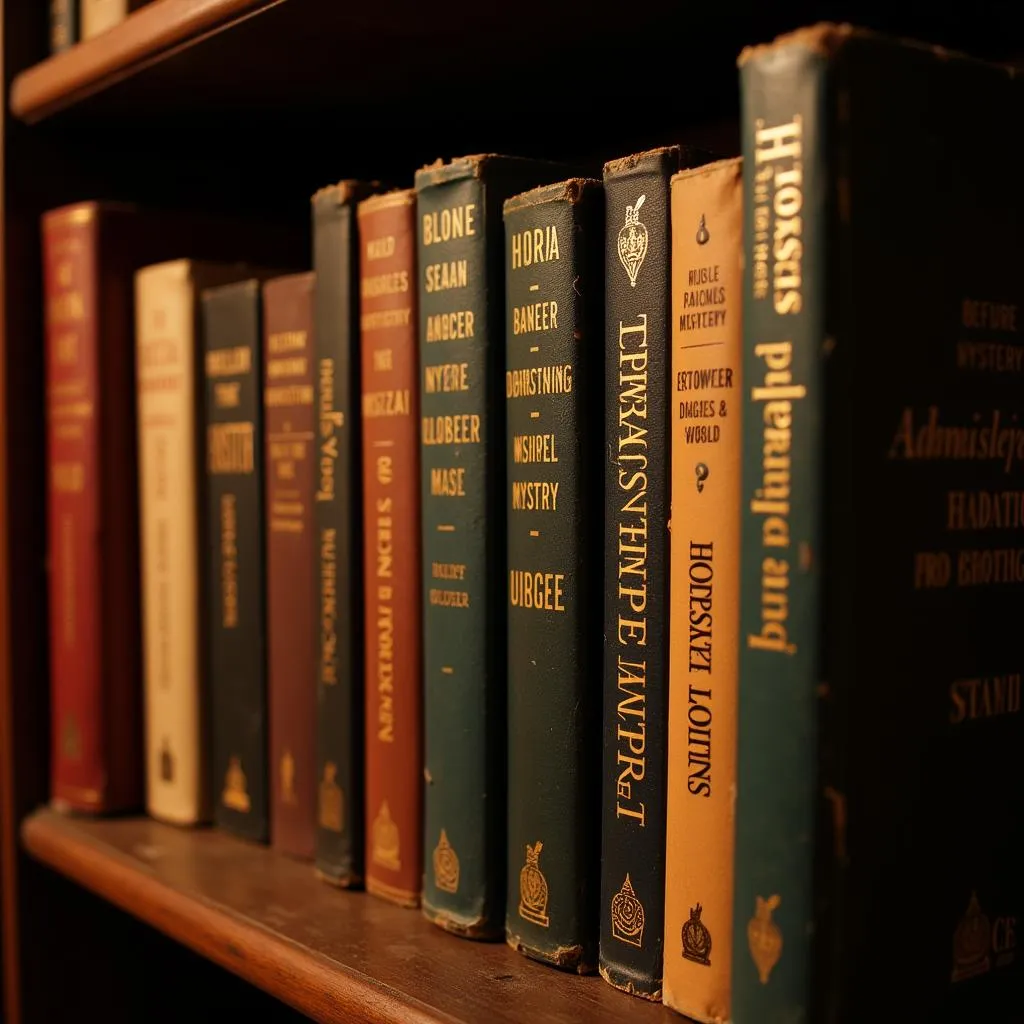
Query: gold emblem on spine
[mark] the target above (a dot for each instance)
(331, 799)
(287, 777)
(234, 794)
(632, 241)
(627, 916)
(166, 762)
(533, 888)
(385, 839)
(446, 865)
(71, 739)
(971, 942)
(764, 937)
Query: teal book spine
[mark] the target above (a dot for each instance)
(783, 96)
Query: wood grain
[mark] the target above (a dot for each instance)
(334, 955)
(149, 32)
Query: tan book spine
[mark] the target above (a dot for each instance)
(707, 350)
(164, 316)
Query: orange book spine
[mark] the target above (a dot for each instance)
(707, 350)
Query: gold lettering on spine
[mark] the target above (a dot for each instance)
(229, 561)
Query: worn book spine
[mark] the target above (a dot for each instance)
(291, 475)
(391, 548)
(176, 776)
(63, 24)
(337, 523)
(636, 545)
(235, 557)
(92, 518)
(707, 355)
(555, 304)
(783, 100)
(461, 288)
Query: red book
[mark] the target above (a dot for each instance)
(290, 473)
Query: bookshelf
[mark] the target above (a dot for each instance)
(253, 104)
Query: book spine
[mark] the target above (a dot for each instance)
(79, 769)
(636, 546)
(235, 560)
(553, 252)
(462, 434)
(100, 15)
(784, 177)
(391, 549)
(337, 522)
(707, 353)
(63, 24)
(289, 450)
(177, 787)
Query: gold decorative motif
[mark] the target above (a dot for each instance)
(235, 795)
(697, 939)
(972, 942)
(331, 799)
(166, 762)
(385, 839)
(287, 778)
(446, 865)
(627, 916)
(632, 241)
(533, 888)
(764, 937)
(70, 739)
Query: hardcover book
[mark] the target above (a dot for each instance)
(391, 548)
(636, 579)
(338, 535)
(172, 507)
(63, 24)
(235, 561)
(554, 249)
(461, 288)
(297, 797)
(707, 351)
(879, 816)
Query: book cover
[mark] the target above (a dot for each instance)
(881, 582)
(391, 547)
(235, 562)
(554, 247)
(461, 291)
(290, 456)
(707, 352)
(636, 579)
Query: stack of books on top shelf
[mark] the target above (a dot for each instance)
(627, 568)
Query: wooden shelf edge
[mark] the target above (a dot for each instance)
(295, 975)
(146, 35)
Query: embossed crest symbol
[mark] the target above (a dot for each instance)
(632, 242)
(288, 777)
(446, 865)
(235, 794)
(331, 800)
(764, 937)
(971, 942)
(385, 839)
(166, 761)
(697, 938)
(627, 916)
(703, 235)
(533, 888)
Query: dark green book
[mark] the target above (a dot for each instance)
(462, 315)
(235, 561)
(880, 815)
(554, 358)
(338, 538)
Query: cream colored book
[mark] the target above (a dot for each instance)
(707, 351)
(171, 473)
(97, 16)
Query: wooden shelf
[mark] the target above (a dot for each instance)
(334, 955)
(150, 33)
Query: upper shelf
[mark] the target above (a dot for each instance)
(333, 955)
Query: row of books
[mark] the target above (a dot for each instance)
(692, 661)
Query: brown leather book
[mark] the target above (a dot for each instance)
(290, 455)
(391, 518)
